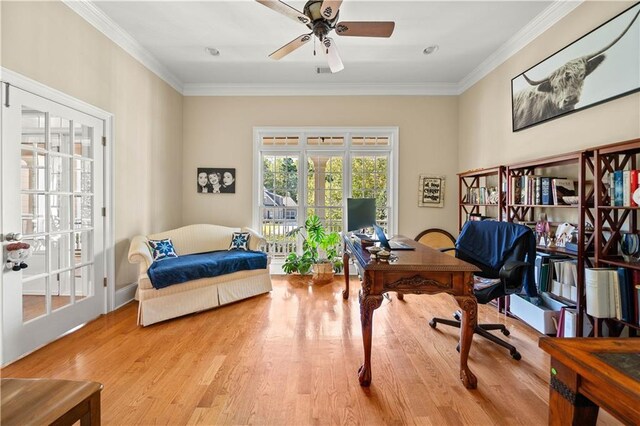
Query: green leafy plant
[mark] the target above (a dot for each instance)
(315, 241)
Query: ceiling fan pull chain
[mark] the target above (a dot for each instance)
(314, 46)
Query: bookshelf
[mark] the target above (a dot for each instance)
(524, 205)
(482, 194)
(613, 222)
(601, 222)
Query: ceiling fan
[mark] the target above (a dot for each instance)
(322, 17)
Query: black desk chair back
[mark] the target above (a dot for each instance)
(504, 252)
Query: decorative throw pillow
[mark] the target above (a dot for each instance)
(162, 249)
(240, 241)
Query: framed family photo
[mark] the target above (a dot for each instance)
(431, 191)
(600, 66)
(212, 180)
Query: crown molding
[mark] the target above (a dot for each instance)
(94, 16)
(400, 89)
(551, 15)
(547, 18)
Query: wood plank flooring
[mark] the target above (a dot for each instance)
(290, 358)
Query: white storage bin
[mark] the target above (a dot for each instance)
(540, 317)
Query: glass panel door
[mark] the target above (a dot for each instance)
(51, 151)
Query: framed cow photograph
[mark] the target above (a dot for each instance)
(600, 66)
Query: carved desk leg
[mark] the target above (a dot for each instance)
(469, 307)
(345, 262)
(368, 303)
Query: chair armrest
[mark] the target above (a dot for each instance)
(139, 252)
(257, 241)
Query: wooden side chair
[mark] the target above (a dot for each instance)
(436, 238)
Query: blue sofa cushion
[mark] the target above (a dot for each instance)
(204, 265)
(162, 249)
(240, 241)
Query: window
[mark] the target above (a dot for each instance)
(313, 171)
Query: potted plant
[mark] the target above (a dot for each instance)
(320, 251)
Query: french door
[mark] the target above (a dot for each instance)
(52, 194)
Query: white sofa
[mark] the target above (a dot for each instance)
(180, 299)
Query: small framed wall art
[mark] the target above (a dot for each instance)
(431, 191)
(212, 180)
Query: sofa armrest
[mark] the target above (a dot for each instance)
(257, 241)
(139, 253)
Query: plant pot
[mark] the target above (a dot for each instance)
(322, 273)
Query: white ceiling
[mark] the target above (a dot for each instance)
(172, 37)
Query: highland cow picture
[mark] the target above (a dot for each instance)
(602, 65)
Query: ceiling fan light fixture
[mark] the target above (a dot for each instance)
(431, 49)
(212, 51)
(313, 10)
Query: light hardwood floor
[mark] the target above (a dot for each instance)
(290, 358)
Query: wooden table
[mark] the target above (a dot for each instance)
(588, 373)
(49, 401)
(420, 271)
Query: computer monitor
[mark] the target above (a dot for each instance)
(361, 213)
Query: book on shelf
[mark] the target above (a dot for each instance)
(621, 186)
(618, 189)
(599, 283)
(541, 269)
(633, 186)
(516, 190)
(567, 323)
(611, 293)
(626, 289)
(626, 187)
(545, 191)
(572, 247)
(563, 274)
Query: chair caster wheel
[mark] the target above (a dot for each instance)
(516, 355)
(506, 332)
(432, 323)
(458, 348)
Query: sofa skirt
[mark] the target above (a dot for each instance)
(199, 295)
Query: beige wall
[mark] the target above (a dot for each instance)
(218, 132)
(48, 42)
(154, 144)
(486, 138)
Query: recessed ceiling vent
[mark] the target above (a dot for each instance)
(323, 70)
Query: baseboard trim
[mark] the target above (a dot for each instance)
(125, 295)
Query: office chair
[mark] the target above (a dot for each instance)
(504, 252)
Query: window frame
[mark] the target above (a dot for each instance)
(303, 150)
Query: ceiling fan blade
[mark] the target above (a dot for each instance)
(291, 46)
(366, 29)
(286, 10)
(329, 8)
(333, 57)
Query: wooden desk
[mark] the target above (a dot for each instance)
(420, 271)
(49, 402)
(588, 373)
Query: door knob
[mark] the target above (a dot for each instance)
(13, 236)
